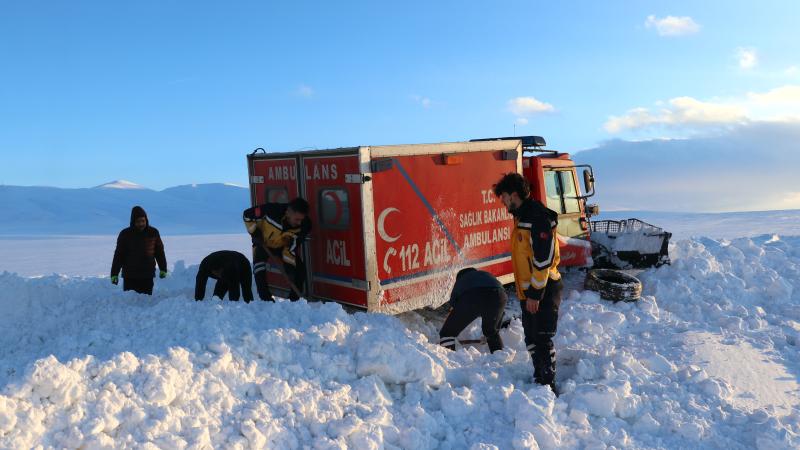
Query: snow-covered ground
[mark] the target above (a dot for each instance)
(708, 358)
(91, 255)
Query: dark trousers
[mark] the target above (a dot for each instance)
(246, 282)
(221, 288)
(539, 331)
(260, 263)
(140, 285)
(486, 303)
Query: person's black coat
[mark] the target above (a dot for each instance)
(472, 279)
(137, 251)
(236, 273)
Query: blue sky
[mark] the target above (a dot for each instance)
(165, 93)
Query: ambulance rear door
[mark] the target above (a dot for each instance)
(332, 185)
(274, 179)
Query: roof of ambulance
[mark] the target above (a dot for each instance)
(398, 149)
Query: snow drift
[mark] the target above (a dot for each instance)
(708, 358)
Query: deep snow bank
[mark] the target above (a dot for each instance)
(82, 364)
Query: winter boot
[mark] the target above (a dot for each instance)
(448, 342)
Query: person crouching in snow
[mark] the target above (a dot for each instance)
(139, 248)
(475, 294)
(279, 229)
(231, 270)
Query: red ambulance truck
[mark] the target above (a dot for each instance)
(393, 224)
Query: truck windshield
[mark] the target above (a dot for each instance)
(570, 195)
(560, 189)
(561, 193)
(552, 188)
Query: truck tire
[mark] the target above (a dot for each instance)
(614, 285)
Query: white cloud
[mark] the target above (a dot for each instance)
(526, 106)
(790, 200)
(680, 111)
(672, 25)
(792, 71)
(779, 104)
(747, 56)
(789, 94)
(425, 102)
(305, 91)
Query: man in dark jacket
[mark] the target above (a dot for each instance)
(475, 294)
(535, 256)
(279, 229)
(231, 270)
(139, 247)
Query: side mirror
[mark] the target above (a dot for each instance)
(592, 210)
(588, 182)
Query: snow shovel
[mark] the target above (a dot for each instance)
(504, 324)
(273, 258)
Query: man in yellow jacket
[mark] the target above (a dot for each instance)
(535, 257)
(279, 229)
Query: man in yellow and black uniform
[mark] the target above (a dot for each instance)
(279, 229)
(535, 257)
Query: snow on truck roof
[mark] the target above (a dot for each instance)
(403, 149)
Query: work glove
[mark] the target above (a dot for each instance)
(114, 279)
(162, 274)
(287, 239)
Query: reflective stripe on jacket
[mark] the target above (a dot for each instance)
(267, 226)
(534, 249)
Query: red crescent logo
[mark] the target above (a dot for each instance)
(338, 203)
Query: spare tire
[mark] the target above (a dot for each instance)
(614, 285)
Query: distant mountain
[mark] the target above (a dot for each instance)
(120, 184)
(105, 209)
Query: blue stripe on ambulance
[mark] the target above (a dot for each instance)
(425, 202)
(442, 269)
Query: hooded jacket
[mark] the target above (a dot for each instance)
(137, 251)
(534, 249)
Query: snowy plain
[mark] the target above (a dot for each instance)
(708, 358)
(727, 225)
(92, 255)
(79, 255)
